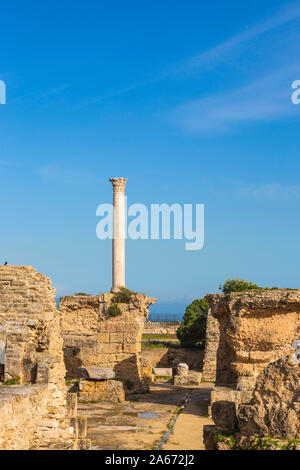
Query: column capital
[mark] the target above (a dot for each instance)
(118, 184)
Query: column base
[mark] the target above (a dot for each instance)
(115, 290)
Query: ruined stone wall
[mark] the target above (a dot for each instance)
(94, 338)
(32, 415)
(269, 419)
(167, 357)
(161, 327)
(212, 338)
(30, 419)
(256, 327)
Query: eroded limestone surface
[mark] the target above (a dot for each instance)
(38, 412)
(275, 406)
(270, 420)
(94, 338)
(256, 327)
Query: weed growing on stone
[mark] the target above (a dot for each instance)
(114, 311)
(15, 381)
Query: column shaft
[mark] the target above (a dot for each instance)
(118, 242)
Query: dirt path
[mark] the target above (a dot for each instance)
(187, 433)
(141, 422)
(137, 424)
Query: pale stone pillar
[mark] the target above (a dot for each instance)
(118, 243)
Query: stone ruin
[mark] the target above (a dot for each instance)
(254, 328)
(41, 346)
(212, 338)
(256, 399)
(184, 377)
(98, 384)
(269, 420)
(92, 337)
(256, 402)
(35, 409)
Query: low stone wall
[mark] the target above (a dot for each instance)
(161, 327)
(166, 357)
(28, 422)
(256, 327)
(94, 338)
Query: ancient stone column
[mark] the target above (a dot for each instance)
(118, 243)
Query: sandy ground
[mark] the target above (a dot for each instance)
(188, 430)
(144, 419)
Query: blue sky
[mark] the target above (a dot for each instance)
(191, 101)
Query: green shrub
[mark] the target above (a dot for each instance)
(123, 296)
(240, 285)
(191, 333)
(114, 311)
(237, 285)
(15, 381)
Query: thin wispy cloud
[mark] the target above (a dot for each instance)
(266, 99)
(34, 98)
(11, 163)
(58, 174)
(289, 13)
(272, 191)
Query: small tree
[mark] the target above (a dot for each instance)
(192, 333)
(237, 285)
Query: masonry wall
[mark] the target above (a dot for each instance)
(37, 412)
(167, 357)
(256, 327)
(161, 327)
(267, 418)
(94, 338)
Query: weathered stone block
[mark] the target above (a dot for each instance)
(224, 415)
(181, 369)
(84, 444)
(245, 383)
(96, 373)
(255, 327)
(273, 408)
(209, 436)
(131, 348)
(261, 356)
(103, 337)
(116, 337)
(163, 371)
(192, 379)
(82, 426)
(104, 390)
